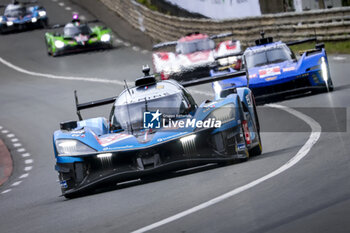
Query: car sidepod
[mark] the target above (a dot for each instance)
(122, 156)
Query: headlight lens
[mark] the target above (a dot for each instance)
(105, 37)
(223, 61)
(1, 19)
(224, 114)
(42, 13)
(59, 44)
(324, 69)
(34, 20)
(9, 23)
(72, 147)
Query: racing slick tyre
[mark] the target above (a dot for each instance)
(244, 132)
(330, 86)
(48, 50)
(257, 150)
(44, 23)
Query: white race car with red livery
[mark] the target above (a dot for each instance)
(193, 56)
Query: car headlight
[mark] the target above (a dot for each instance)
(59, 44)
(1, 19)
(68, 147)
(324, 69)
(34, 20)
(105, 37)
(9, 23)
(224, 114)
(42, 13)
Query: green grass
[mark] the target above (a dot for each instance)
(148, 4)
(332, 47)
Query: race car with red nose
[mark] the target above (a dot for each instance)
(194, 53)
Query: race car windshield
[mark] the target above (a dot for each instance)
(268, 56)
(15, 12)
(71, 31)
(195, 45)
(131, 115)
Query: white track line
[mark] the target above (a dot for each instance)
(68, 8)
(14, 140)
(314, 136)
(28, 168)
(25, 155)
(28, 161)
(339, 58)
(87, 79)
(17, 144)
(16, 183)
(51, 76)
(25, 175)
(6, 191)
(11, 135)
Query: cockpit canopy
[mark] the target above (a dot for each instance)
(71, 30)
(15, 11)
(193, 43)
(167, 97)
(267, 55)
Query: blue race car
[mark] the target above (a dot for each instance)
(18, 17)
(153, 127)
(275, 71)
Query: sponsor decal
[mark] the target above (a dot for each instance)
(170, 137)
(270, 79)
(105, 141)
(270, 72)
(241, 146)
(289, 69)
(63, 184)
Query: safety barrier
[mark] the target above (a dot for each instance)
(327, 25)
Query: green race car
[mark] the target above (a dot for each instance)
(78, 37)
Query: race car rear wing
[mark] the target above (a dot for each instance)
(91, 104)
(301, 41)
(174, 43)
(164, 44)
(101, 102)
(222, 35)
(229, 55)
(61, 25)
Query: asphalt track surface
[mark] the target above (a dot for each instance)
(311, 196)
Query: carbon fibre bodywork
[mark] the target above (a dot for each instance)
(115, 153)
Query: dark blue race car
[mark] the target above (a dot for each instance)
(153, 127)
(18, 17)
(274, 70)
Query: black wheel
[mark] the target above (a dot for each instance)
(44, 23)
(257, 150)
(244, 131)
(246, 145)
(330, 86)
